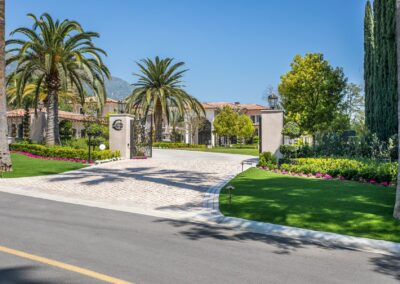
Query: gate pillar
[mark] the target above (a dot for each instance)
(120, 134)
(271, 132)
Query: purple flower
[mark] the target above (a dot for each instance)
(327, 176)
(372, 181)
(319, 175)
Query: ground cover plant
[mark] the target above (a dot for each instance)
(63, 152)
(24, 166)
(343, 207)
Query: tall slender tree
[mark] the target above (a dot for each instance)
(369, 64)
(384, 113)
(159, 91)
(5, 158)
(57, 55)
(396, 212)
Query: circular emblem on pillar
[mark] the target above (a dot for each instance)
(118, 125)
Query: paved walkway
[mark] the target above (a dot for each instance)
(170, 184)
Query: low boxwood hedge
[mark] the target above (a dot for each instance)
(62, 152)
(351, 169)
(177, 145)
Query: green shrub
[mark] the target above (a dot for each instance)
(266, 159)
(176, 145)
(353, 169)
(63, 152)
(288, 151)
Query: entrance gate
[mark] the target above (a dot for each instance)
(140, 142)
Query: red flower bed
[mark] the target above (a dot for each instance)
(30, 155)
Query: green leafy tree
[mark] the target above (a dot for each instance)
(54, 55)
(65, 130)
(225, 123)
(311, 92)
(245, 127)
(159, 91)
(354, 105)
(291, 129)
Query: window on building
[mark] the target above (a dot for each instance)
(83, 133)
(258, 118)
(74, 132)
(253, 118)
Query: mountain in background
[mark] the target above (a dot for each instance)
(116, 88)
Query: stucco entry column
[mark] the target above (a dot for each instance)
(271, 131)
(120, 134)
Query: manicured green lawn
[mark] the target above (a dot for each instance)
(342, 207)
(242, 151)
(24, 166)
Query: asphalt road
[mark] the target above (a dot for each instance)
(144, 249)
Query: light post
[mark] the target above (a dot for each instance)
(121, 106)
(273, 101)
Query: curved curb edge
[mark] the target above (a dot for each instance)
(211, 203)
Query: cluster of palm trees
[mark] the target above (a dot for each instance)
(59, 58)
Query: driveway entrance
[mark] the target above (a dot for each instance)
(171, 184)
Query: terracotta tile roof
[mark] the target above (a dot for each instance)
(61, 114)
(216, 105)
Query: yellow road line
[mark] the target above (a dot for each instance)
(64, 266)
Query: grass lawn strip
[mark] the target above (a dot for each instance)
(342, 207)
(24, 166)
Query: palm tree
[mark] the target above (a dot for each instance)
(159, 91)
(5, 158)
(57, 55)
(396, 212)
(32, 96)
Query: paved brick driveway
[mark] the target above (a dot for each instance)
(169, 184)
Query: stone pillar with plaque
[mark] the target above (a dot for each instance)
(120, 134)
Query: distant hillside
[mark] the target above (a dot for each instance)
(116, 87)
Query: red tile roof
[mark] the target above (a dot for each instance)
(216, 105)
(61, 114)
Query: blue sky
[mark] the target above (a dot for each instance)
(233, 48)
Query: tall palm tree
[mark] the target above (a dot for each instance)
(33, 96)
(396, 212)
(159, 91)
(57, 55)
(5, 159)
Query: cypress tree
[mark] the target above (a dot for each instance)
(369, 64)
(383, 114)
(391, 95)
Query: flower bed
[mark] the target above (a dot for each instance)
(30, 155)
(350, 169)
(65, 153)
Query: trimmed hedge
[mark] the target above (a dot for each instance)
(352, 169)
(63, 152)
(175, 145)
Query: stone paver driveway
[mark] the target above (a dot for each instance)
(171, 183)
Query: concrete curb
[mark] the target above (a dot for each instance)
(211, 202)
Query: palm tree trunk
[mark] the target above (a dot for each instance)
(5, 158)
(396, 212)
(158, 122)
(50, 139)
(57, 139)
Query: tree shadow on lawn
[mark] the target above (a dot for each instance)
(186, 179)
(384, 264)
(325, 205)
